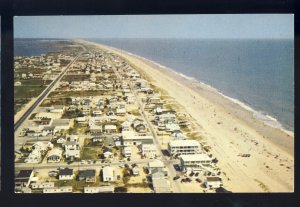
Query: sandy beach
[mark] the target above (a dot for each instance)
(229, 130)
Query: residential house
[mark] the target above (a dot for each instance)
(72, 149)
(135, 170)
(54, 155)
(149, 150)
(88, 175)
(213, 182)
(107, 153)
(97, 139)
(66, 174)
(23, 179)
(161, 186)
(125, 126)
(61, 140)
(129, 138)
(42, 184)
(108, 174)
(127, 151)
(156, 165)
(121, 111)
(61, 124)
(110, 129)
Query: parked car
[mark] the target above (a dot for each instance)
(176, 177)
(198, 180)
(53, 173)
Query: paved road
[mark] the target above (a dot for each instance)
(20, 140)
(45, 93)
(169, 164)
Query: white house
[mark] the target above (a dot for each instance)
(42, 184)
(125, 126)
(149, 150)
(72, 149)
(110, 129)
(108, 174)
(127, 151)
(135, 170)
(60, 140)
(54, 155)
(129, 138)
(156, 164)
(121, 111)
(213, 182)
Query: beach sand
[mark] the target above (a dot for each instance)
(229, 130)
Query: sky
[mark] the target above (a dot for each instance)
(221, 26)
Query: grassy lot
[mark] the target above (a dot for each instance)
(60, 101)
(89, 153)
(135, 112)
(75, 77)
(37, 82)
(19, 103)
(90, 143)
(58, 94)
(28, 91)
(77, 129)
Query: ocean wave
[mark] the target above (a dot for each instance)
(259, 115)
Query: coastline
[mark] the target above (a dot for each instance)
(229, 129)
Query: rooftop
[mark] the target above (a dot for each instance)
(180, 143)
(196, 157)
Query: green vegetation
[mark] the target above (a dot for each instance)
(59, 94)
(89, 153)
(60, 101)
(77, 129)
(28, 91)
(72, 114)
(70, 78)
(19, 103)
(35, 82)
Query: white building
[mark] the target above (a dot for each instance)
(156, 165)
(108, 174)
(72, 149)
(54, 155)
(129, 138)
(127, 151)
(64, 189)
(183, 147)
(42, 184)
(149, 150)
(213, 182)
(195, 162)
(100, 189)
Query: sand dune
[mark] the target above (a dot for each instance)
(230, 130)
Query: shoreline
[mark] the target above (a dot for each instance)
(228, 129)
(263, 116)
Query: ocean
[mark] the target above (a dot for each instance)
(34, 47)
(256, 73)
